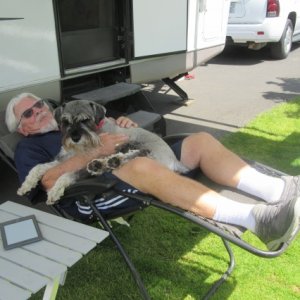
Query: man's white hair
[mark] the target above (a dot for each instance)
(10, 117)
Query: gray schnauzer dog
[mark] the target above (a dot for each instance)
(81, 122)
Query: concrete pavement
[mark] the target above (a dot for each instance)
(229, 91)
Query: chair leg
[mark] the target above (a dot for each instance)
(122, 251)
(226, 274)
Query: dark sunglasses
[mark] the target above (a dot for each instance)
(29, 112)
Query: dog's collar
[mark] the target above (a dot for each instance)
(100, 124)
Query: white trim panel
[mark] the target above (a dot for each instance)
(159, 26)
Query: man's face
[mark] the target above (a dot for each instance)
(33, 118)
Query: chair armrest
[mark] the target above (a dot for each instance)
(89, 186)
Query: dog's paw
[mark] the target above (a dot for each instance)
(144, 152)
(95, 167)
(114, 162)
(58, 190)
(54, 195)
(125, 148)
(23, 190)
(50, 201)
(20, 192)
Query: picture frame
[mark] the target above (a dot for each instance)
(19, 232)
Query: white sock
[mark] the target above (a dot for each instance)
(260, 185)
(235, 213)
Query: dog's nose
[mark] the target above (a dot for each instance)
(75, 136)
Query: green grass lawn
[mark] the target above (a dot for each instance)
(178, 260)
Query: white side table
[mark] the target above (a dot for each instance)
(27, 269)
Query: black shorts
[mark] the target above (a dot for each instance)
(112, 202)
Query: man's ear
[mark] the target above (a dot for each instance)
(58, 112)
(99, 112)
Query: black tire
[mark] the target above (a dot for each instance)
(281, 49)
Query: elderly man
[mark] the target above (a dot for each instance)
(273, 220)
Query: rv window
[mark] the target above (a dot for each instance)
(85, 14)
(88, 32)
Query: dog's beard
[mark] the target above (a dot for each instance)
(87, 141)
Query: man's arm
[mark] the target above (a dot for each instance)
(77, 162)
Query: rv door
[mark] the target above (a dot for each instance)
(213, 18)
(211, 23)
(207, 28)
(159, 27)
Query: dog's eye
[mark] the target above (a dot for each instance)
(65, 123)
(85, 121)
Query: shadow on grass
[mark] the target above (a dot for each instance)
(170, 253)
(274, 138)
(282, 155)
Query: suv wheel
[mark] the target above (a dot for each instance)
(282, 48)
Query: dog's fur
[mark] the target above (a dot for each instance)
(80, 122)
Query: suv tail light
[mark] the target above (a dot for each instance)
(273, 8)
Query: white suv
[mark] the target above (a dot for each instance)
(256, 23)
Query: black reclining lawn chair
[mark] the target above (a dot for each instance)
(86, 190)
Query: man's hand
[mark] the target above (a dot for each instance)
(125, 122)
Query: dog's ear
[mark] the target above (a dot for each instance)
(58, 112)
(99, 112)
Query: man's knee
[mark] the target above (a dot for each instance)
(140, 165)
(204, 137)
(200, 140)
(138, 172)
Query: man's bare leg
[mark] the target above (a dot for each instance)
(151, 177)
(203, 151)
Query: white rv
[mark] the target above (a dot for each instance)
(56, 48)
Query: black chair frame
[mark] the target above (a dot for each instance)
(228, 234)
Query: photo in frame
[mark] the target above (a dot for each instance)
(19, 232)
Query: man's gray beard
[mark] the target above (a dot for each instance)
(49, 127)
